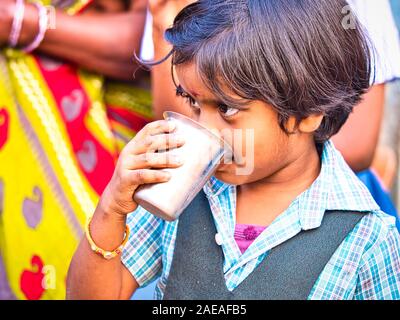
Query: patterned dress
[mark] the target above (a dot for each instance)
(61, 131)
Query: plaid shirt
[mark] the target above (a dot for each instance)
(365, 266)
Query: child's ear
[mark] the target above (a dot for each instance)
(307, 125)
(311, 123)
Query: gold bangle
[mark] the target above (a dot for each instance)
(108, 255)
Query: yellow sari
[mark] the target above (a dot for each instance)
(61, 130)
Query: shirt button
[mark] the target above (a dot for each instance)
(218, 239)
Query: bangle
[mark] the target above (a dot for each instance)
(16, 28)
(43, 23)
(108, 255)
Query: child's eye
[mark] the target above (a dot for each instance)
(192, 102)
(227, 112)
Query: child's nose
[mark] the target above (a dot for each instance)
(209, 120)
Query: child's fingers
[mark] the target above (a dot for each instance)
(152, 160)
(146, 176)
(159, 127)
(158, 142)
(151, 129)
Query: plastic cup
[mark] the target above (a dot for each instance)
(201, 155)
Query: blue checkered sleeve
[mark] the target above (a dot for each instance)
(379, 273)
(142, 254)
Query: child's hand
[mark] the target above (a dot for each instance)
(136, 163)
(165, 11)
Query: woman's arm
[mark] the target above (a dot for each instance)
(358, 138)
(163, 88)
(98, 41)
(101, 42)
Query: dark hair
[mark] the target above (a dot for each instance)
(295, 55)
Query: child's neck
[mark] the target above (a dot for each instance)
(261, 202)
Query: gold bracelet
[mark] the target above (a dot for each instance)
(104, 253)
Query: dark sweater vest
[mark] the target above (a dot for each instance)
(289, 271)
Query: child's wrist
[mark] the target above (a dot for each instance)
(110, 210)
(106, 230)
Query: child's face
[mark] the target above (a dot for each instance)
(266, 149)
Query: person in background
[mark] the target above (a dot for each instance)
(70, 99)
(359, 137)
(163, 13)
(395, 4)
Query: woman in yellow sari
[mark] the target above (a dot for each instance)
(61, 129)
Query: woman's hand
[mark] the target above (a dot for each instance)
(30, 22)
(7, 8)
(136, 166)
(165, 11)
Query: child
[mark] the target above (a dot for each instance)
(301, 225)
